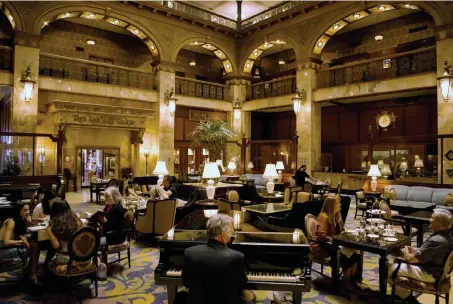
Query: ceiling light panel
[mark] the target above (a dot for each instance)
(136, 32)
(356, 16)
(116, 22)
(220, 54)
(381, 8)
(68, 15)
(248, 66)
(209, 46)
(10, 17)
(227, 66)
(265, 46)
(255, 54)
(320, 44)
(152, 47)
(336, 27)
(92, 16)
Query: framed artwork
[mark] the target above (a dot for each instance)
(112, 163)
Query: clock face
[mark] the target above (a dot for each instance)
(384, 120)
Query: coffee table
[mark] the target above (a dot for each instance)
(381, 248)
(417, 219)
(268, 209)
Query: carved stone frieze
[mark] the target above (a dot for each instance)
(238, 81)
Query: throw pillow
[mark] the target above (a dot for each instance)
(360, 195)
(448, 200)
(389, 194)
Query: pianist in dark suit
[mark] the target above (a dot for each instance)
(213, 272)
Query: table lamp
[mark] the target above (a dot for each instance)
(385, 171)
(250, 166)
(270, 173)
(418, 164)
(380, 163)
(160, 170)
(374, 173)
(403, 166)
(231, 166)
(279, 166)
(210, 171)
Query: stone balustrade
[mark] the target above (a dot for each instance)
(203, 89)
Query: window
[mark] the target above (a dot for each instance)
(387, 63)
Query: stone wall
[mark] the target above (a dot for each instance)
(62, 38)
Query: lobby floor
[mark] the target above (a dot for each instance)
(136, 285)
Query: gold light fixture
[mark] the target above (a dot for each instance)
(91, 42)
(171, 101)
(237, 110)
(445, 82)
(193, 62)
(298, 101)
(27, 80)
(378, 37)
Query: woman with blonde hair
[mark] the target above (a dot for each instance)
(112, 217)
(330, 223)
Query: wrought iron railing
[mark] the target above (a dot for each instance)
(203, 89)
(280, 9)
(84, 70)
(278, 87)
(409, 63)
(6, 58)
(200, 13)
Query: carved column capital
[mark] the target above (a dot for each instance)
(166, 66)
(310, 64)
(137, 136)
(27, 39)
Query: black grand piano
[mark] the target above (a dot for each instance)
(275, 261)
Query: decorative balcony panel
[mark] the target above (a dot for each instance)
(203, 89)
(83, 70)
(272, 12)
(409, 63)
(273, 88)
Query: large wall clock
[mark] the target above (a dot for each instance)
(384, 119)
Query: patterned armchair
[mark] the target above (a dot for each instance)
(83, 247)
(158, 218)
(441, 286)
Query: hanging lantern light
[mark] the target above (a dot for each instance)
(237, 110)
(445, 82)
(27, 80)
(298, 101)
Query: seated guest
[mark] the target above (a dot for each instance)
(13, 233)
(42, 210)
(301, 175)
(430, 257)
(213, 272)
(63, 223)
(112, 217)
(129, 191)
(166, 191)
(329, 224)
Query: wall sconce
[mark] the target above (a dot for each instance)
(27, 80)
(146, 154)
(445, 82)
(298, 101)
(237, 110)
(170, 101)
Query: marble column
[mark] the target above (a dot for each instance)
(308, 120)
(444, 45)
(163, 147)
(238, 92)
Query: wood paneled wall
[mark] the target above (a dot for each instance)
(348, 124)
(273, 126)
(184, 126)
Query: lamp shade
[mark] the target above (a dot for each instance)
(211, 170)
(374, 171)
(403, 166)
(232, 165)
(380, 163)
(250, 166)
(279, 165)
(363, 165)
(270, 172)
(386, 170)
(161, 168)
(418, 163)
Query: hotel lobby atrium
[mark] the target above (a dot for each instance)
(261, 110)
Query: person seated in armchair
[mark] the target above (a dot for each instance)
(301, 175)
(430, 257)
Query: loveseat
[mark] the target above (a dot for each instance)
(423, 198)
(259, 181)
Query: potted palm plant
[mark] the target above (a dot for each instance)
(212, 135)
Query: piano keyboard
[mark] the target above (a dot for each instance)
(252, 276)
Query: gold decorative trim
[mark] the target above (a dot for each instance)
(197, 115)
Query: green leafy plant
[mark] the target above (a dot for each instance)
(212, 135)
(11, 167)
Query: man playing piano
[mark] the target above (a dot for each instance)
(213, 272)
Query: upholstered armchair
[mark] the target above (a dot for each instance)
(440, 287)
(158, 218)
(303, 197)
(362, 203)
(311, 226)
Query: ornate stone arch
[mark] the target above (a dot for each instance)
(256, 48)
(101, 13)
(228, 62)
(13, 15)
(330, 28)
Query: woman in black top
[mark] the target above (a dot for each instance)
(112, 218)
(301, 174)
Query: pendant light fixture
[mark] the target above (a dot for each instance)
(193, 62)
(281, 61)
(378, 36)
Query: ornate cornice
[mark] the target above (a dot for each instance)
(310, 64)
(27, 39)
(444, 31)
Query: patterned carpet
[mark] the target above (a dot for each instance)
(136, 285)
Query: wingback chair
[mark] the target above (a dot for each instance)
(158, 218)
(303, 197)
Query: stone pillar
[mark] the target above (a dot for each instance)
(238, 92)
(444, 109)
(165, 122)
(308, 120)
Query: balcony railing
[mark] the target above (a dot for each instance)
(409, 63)
(278, 87)
(280, 9)
(84, 70)
(202, 89)
(200, 13)
(6, 58)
